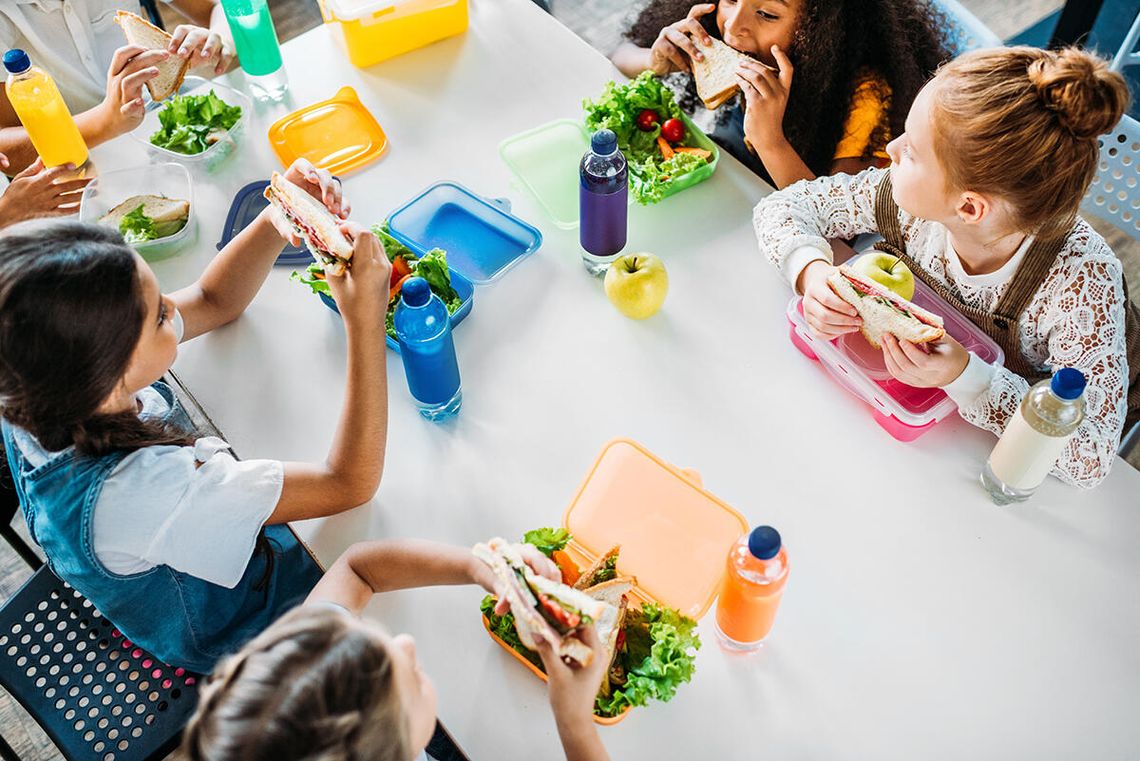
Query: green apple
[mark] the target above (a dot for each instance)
(636, 284)
(888, 271)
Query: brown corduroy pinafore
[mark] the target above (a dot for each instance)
(1001, 323)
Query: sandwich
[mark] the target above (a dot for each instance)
(883, 311)
(144, 218)
(312, 222)
(715, 76)
(172, 71)
(544, 609)
(614, 592)
(603, 569)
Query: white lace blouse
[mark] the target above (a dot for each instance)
(1076, 318)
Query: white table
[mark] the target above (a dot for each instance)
(920, 620)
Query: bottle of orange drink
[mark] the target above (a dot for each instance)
(751, 591)
(36, 100)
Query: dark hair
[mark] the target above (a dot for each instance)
(836, 43)
(71, 313)
(314, 686)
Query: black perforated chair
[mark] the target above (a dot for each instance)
(95, 694)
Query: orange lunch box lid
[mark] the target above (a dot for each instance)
(338, 134)
(674, 535)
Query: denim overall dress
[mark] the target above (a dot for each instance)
(181, 619)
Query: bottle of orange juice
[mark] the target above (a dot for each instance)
(751, 591)
(36, 100)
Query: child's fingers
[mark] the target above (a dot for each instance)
(695, 31)
(180, 33)
(785, 64)
(121, 57)
(682, 41)
(703, 9)
(551, 660)
(833, 303)
(753, 80)
(34, 168)
(4, 161)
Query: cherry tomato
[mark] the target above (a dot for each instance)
(647, 119)
(673, 130)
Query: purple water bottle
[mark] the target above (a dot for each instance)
(603, 197)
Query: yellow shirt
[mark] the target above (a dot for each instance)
(870, 105)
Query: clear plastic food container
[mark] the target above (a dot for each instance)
(211, 158)
(110, 189)
(903, 411)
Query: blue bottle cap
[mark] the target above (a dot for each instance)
(415, 292)
(604, 142)
(764, 542)
(16, 61)
(1068, 383)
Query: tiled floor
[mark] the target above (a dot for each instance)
(599, 22)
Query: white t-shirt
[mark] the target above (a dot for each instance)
(73, 40)
(194, 508)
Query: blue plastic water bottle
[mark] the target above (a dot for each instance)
(423, 329)
(603, 202)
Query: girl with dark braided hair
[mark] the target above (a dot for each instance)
(181, 545)
(846, 73)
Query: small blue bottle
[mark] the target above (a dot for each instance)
(603, 202)
(423, 329)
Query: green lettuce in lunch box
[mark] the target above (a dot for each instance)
(192, 123)
(656, 650)
(617, 109)
(432, 267)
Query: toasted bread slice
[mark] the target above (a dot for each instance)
(172, 71)
(590, 576)
(715, 76)
(883, 311)
(612, 591)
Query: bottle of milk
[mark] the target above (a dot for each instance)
(1035, 437)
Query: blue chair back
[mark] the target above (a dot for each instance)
(1114, 195)
(965, 31)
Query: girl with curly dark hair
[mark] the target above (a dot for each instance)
(846, 73)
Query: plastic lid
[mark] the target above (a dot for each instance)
(415, 292)
(603, 142)
(764, 542)
(481, 238)
(674, 535)
(247, 204)
(1068, 383)
(16, 61)
(338, 134)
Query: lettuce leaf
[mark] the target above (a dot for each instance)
(658, 656)
(547, 540)
(137, 227)
(314, 278)
(392, 247)
(504, 628)
(652, 176)
(192, 123)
